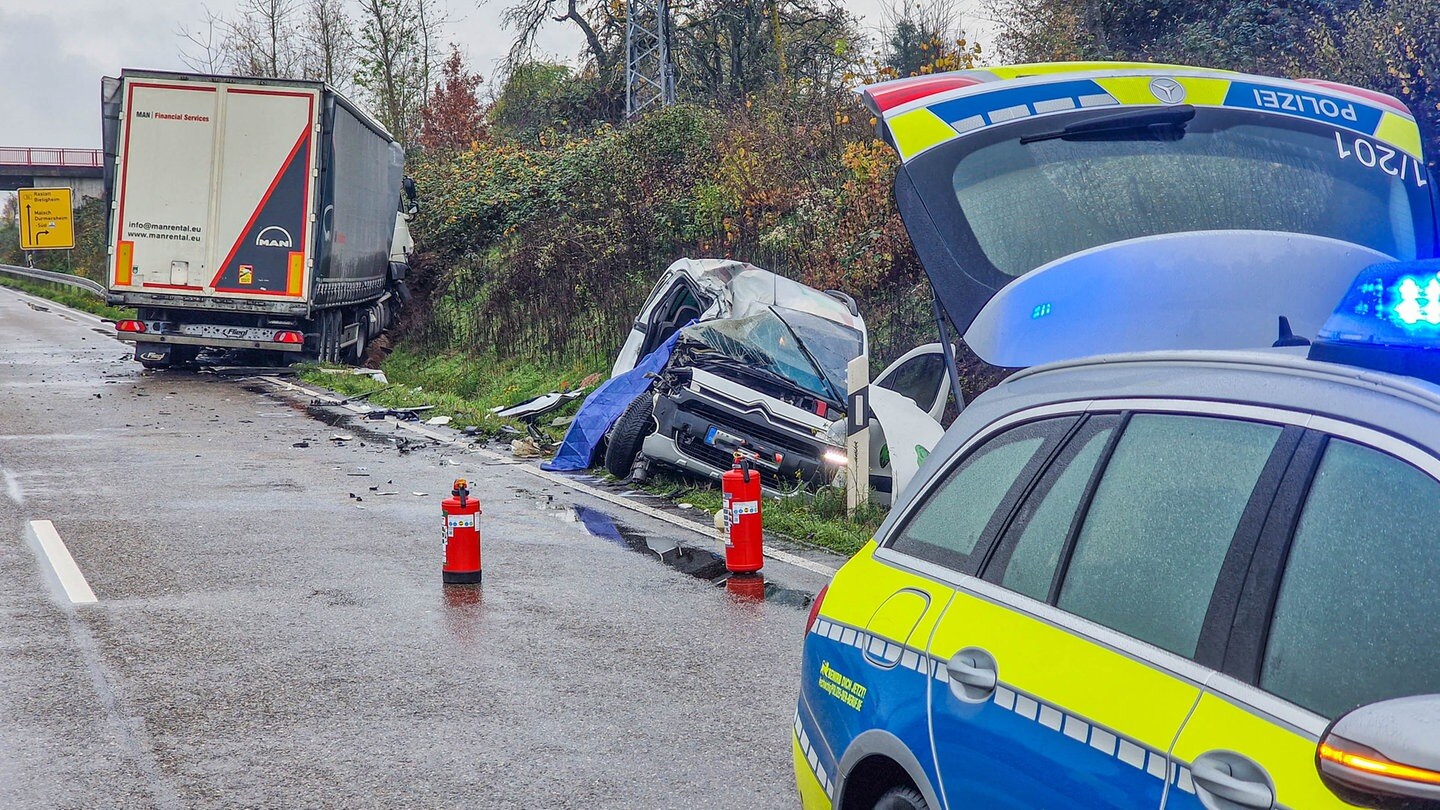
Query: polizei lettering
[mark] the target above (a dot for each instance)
(1304, 104)
(274, 236)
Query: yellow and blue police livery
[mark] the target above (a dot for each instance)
(1182, 560)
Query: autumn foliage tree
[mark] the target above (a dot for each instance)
(453, 120)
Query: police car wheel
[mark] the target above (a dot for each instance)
(902, 798)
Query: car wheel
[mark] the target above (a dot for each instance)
(630, 431)
(902, 798)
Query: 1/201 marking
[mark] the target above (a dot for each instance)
(1379, 156)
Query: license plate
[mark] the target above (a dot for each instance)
(714, 436)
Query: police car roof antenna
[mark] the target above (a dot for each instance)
(950, 368)
(1288, 337)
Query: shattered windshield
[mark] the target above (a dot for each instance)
(767, 342)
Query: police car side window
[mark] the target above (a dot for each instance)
(1355, 615)
(1157, 531)
(1045, 519)
(946, 527)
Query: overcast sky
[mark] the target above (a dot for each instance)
(52, 54)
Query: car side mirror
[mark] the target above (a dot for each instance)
(1385, 755)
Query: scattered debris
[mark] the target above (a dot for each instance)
(470, 430)
(438, 420)
(420, 494)
(301, 443)
(686, 505)
(374, 373)
(366, 395)
(400, 414)
(341, 438)
(405, 445)
(37, 307)
(526, 448)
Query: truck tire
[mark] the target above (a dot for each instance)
(328, 322)
(356, 353)
(630, 431)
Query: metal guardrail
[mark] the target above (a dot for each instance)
(33, 274)
(33, 156)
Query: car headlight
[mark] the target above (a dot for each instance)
(836, 454)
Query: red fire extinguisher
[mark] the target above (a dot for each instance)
(744, 535)
(462, 536)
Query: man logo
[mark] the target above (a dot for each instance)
(1167, 91)
(274, 236)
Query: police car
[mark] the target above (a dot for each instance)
(1187, 557)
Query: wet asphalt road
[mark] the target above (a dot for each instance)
(260, 640)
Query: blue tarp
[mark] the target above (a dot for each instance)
(600, 410)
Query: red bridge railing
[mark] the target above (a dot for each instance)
(32, 156)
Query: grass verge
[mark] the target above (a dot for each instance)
(461, 387)
(815, 518)
(70, 297)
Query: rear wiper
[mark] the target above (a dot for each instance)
(1166, 123)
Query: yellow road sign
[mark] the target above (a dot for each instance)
(47, 219)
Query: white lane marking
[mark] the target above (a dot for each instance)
(12, 487)
(565, 481)
(64, 565)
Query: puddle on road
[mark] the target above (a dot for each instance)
(696, 562)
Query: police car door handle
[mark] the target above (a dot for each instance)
(973, 674)
(1221, 789)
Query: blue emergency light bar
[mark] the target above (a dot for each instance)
(1388, 321)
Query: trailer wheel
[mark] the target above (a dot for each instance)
(630, 431)
(356, 352)
(329, 322)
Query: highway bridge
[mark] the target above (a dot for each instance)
(81, 170)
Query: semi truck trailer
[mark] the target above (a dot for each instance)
(253, 214)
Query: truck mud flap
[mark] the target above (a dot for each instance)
(405, 296)
(152, 352)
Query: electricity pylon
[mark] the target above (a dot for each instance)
(649, 75)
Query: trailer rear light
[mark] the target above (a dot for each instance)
(289, 336)
(129, 326)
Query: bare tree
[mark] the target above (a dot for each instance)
(596, 20)
(396, 46)
(916, 32)
(329, 38)
(263, 39)
(202, 48)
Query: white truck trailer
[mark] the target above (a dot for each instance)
(259, 214)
